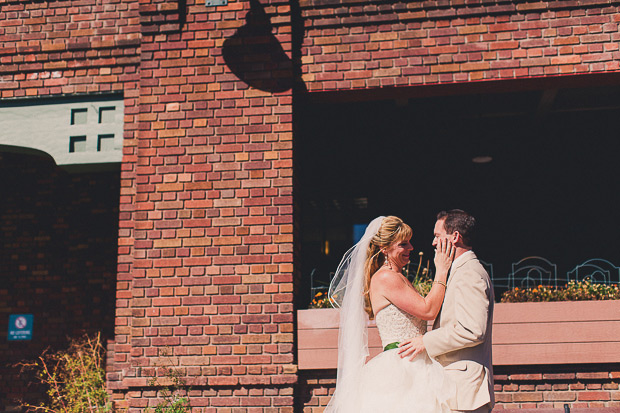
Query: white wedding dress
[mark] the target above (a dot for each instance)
(389, 383)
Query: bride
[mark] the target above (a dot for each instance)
(369, 284)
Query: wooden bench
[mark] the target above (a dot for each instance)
(523, 334)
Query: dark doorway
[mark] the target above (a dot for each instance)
(550, 188)
(59, 238)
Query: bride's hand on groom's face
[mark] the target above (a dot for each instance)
(444, 255)
(411, 347)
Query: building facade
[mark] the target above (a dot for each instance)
(200, 197)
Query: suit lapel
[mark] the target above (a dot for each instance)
(470, 256)
(460, 262)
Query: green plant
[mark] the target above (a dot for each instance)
(421, 280)
(172, 401)
(321, 300)
(74, 378)
(422, 285)
(573, 291)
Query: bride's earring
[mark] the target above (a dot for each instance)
(387, 262)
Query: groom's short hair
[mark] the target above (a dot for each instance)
(459, 220)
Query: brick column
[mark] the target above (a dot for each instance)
(207, 237)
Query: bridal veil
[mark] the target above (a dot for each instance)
(346, 292)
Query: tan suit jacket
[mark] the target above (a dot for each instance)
(461, 335)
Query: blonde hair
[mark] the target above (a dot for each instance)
(392, 230)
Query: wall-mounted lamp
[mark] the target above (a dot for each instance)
(482, 159)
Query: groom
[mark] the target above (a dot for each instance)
(461, 335)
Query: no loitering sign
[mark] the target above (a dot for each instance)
(20, 327)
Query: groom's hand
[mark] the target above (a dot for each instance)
(411, 347)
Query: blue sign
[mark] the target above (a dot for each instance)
(20, 327)
(358, 232)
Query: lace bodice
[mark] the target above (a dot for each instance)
(396, 325)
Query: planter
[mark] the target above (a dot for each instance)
(565, 332)
(569, 332)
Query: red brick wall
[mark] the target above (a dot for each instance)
(51, 50)
(67, 47)
(206, 213)
(580, 387)
(315, 390)
(434, 42)
(516, 388)
(205, 240)
(58, 235)
(205, 245)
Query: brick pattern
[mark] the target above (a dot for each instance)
(57, 260)
(161, 16)
(315, 390)
(581, 388)
(206, 222)
(67, 47)
(432, 42)
(541, 387)
(205, 233)
(222, 400)
(205, 213)
(205, 242)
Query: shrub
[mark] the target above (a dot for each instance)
(573, 291)
(422, 285)
(74, 378)
(420, 279)
(171, 401)
(320, 300)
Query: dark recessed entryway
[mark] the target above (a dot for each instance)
(58, 261)
(550, 188)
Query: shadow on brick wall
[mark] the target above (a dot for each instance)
(256, 56)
